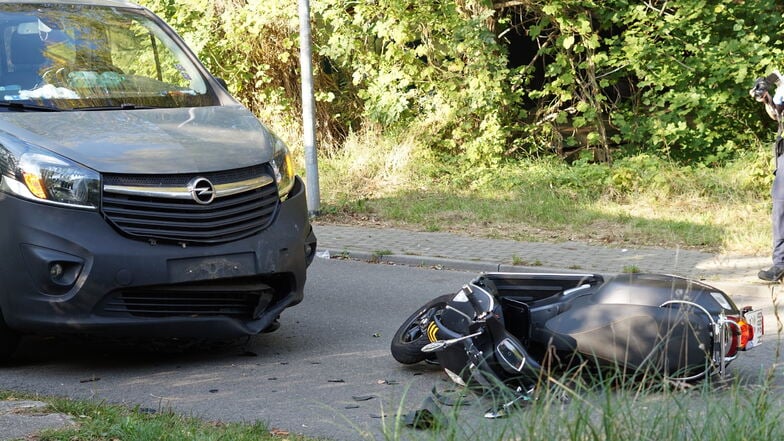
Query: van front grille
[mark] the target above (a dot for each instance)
(162, 208)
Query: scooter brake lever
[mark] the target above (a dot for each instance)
(443, 344)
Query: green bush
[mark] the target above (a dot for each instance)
(431, 61)
(620, 77)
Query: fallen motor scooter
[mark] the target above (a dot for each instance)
(511, 329)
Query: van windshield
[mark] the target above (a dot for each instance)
(84, 56)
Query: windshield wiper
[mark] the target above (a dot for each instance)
(124, 106)
(22, 107)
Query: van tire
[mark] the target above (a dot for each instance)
(9, 340)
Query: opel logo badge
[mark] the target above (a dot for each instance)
(202, 191)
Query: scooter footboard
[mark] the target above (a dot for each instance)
(674, 342)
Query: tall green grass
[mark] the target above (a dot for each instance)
(99, 421)
(613, 409)
(640, 200)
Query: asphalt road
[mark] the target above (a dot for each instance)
(326, 372)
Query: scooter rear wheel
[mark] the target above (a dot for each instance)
(409, 339)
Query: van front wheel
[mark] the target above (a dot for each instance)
(9, 340)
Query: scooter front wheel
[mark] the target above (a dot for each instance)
(409, 339)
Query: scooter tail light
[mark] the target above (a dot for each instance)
(760, 321)
(741, 335)
(732, 350)
(746, 333)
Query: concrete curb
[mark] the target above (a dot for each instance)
(758, 290)
(442, 262)
(21, 419)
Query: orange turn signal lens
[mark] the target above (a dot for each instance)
(746, 333)
(35, 185)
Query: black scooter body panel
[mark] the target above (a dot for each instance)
(669, 341)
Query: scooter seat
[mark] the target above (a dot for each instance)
(648, 289)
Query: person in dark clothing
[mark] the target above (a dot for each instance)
(774, 106)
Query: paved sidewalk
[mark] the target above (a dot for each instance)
(477, 254)
(20, 419)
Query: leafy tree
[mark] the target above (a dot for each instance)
(253, 45)
(693, 62)
(429, 61)
(666, 77)
(669, 77)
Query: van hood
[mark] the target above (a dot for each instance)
(154, 141)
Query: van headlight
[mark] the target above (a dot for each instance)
(283, 167)
(42, 176)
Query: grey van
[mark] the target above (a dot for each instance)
(137, 197)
